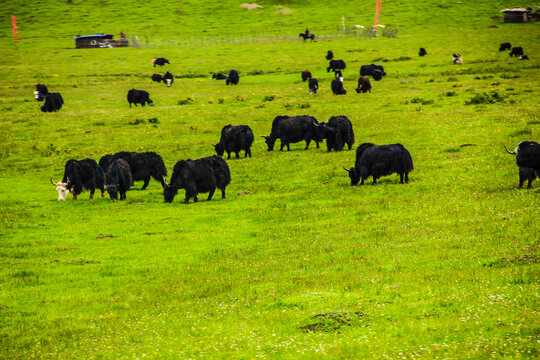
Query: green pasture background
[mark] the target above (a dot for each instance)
(294, 263)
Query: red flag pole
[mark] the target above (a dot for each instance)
(14, 28)
(377, 14)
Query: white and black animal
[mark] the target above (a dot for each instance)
(337, 87)
(79, 175)
(160, 61)
(313, 85)
(138, 97)
(380, 160)
(293, 129)
(306, 75)
(235, 139)
(198, 176)
(364, 85)
(457, 59)
(119, 179)
(523, 57)
(168, 79)
(527, 158)
(53, 101)
(233, 78)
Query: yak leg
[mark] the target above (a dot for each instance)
(406, 178)
(146, 181)
(307, 144)
(401, 178)
(228, 155)
(223, 193)
(237, 155)
(210, 194)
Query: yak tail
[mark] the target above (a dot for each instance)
(407, 161)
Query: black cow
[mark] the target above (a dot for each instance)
(380, 160)
(219, 76)
(337, 87)
(160, 61)
(367, 70)
(53, 102)
(377, 75)
(329, 55)
(505, 46)
(293, 129)
(336, 65)
(234, 139)
(233, 78)
(364, 85)
(313, 85)
(198, 176)
(516, 51)
(168, 79)
(157, 78)
(527, 157)
(41, 91)
(119, 179)
(138, 97)
(422, 52)
(338, 131)
(307, 36)
(306, 75)
(83, 174)
(143, 165)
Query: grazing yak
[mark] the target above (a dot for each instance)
(368, 70)
(364, 85)
(378, 75)
(119, 179)
(422, 52)
(233, 78)
(168, 79)
(79, 175)
(329, 55)
(457, 59)
(160, 61)
(234, 139)
(143, 165)
(157, 78)
(505, 46)
(219, 76)
(198, 176)
(337, 87)
(338, 131)
(527, 157)
(523, 57)
(306, 75)
(380, 160)
(53, 101)
(336, 65)
(293, 129)
(516, 51)
(138, 97)
(313, 85)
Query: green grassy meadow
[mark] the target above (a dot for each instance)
(294, 263)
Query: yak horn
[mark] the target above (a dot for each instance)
(58, 183)
(165, 182)
(214, 145)
(314, 123)
(508, 151)
(348, 170)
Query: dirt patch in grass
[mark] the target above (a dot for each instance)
(332, 321)
(103, 236)
(518, 260)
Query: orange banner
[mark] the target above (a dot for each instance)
(14, 28)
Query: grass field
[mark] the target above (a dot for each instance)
(295, 263)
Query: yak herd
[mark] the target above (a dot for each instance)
(115, 173)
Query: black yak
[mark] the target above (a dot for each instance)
(293, 129)
(143, 165)
(41, 91)
(306, 75)
(505, 46)
(233, 78)
(516, 51)
(307, 36)
(313, 85)
(380, 160)
(157, 78)
(377, 75)
(527, 157)
(119, 179)
(336, 65)
(338, 131)
(160, 61)
(219, 76)
(329, 55)
(198, 176)
(422, 52)
(367, 70)
(79, 175)
(337, 87)
(234, 139)
(53, 102)
(364, 85)
(138, 97)
(168, 79)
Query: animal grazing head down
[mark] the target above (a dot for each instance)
(113, 191)
(269, 142)
(510, 152)
(62, 188)
(219, 149)
(355, 178)
(169, 192)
